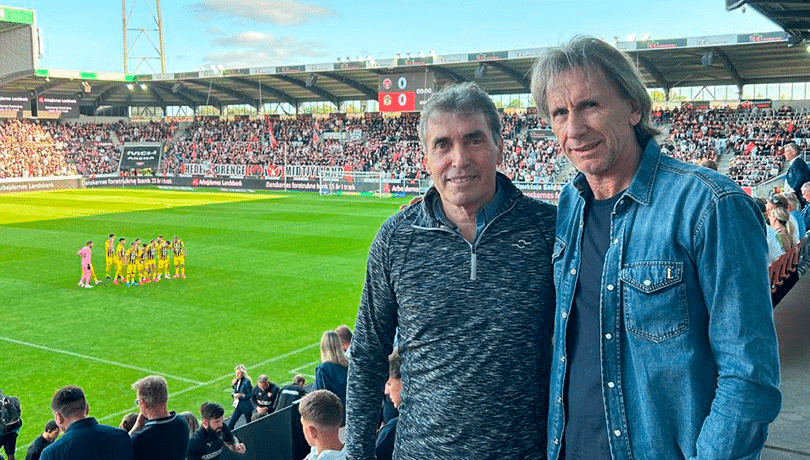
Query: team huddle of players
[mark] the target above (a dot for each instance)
(143, 262)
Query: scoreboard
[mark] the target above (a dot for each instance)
(405, 92)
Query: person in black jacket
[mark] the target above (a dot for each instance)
(242, 394)
(44, 440)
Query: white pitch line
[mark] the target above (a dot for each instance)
(253, 366)
(100, 360)
(224, 377)
(295, 371)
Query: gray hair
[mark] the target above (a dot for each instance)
(805, 186)
(590, 53)
(152, 390)
(465, 98)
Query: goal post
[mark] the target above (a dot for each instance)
(339, 182)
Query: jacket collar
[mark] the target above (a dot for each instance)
(428, 216)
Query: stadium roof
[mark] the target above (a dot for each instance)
(739, 59)
(793, 16)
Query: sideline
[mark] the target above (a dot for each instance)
(99, 360)
(199, 385)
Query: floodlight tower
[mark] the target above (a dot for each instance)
(133, 38)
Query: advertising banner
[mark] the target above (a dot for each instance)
(14, 102)
(40, 184)
(66, 107)
(140, 156)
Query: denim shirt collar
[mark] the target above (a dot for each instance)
(484, 216)
(641, 187)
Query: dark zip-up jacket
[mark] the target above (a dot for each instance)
(474, 323)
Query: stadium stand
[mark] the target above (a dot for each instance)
(380, 143)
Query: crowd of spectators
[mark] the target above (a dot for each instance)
(372, 143)
(377, 142)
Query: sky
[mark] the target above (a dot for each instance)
(87, 34)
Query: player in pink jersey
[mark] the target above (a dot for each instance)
(86, 254)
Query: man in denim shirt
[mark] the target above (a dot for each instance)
(665, 344)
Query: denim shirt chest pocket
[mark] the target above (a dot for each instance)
(654, 300)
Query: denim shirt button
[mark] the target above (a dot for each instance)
(564, 315)
(611, 384)
(559, 399)
(608, 336)
(610, 287)
(556, 441)
(562, 358)
(615, 241)
(647, 282)
(617, 433)
(573, 271)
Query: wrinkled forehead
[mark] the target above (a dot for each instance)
(577, 82)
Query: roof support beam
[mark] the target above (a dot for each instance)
(177, 94)
(314, 89)
(353, 83)
(244, 98)
(729, 67)
(266, 89)
(517, 76)
(449, 74)
(102, 98)
(653, 70)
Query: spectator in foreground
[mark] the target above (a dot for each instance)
(264, 396)
(191, 421)
(804, 260)
(321, 416)
(84, 438)
(44, 440)
(10, 423)
(798, 173)
(128, 421)
(213, 436)
(780, 221)
(393, 387)
(664, 328)
(345, 338)
(242, 394)
(331, 373)
(291, 393)
(158, 434)
(474, 364)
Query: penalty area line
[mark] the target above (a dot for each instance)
(98, 360)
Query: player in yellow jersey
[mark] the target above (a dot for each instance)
(132, 263)
(163, 258)
(179, 249)
(149, 261)
(120, 261)
(109, 253)
(141, 263)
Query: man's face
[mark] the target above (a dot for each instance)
(806, 194)
(213, 424)
(789, 154)
(393, 388)
(461, 159)
(593, 123)
(264, 385)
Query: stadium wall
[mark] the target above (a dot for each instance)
(406, 187)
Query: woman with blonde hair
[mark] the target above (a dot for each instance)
(242, 392)
(331, 374)
(780, 221)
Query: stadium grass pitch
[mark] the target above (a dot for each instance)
(267, 274)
